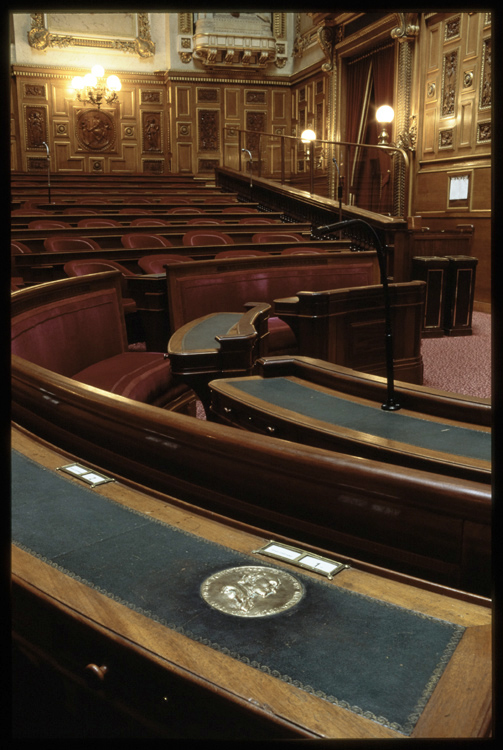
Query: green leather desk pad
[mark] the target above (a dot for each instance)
(202, 335)
(373, 658)
(302, 399)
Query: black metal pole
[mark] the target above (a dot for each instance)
(390, 404)
(48, 171)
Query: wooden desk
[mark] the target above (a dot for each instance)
(290, 403)
(347, 327)
(220, 344)
(173, 686)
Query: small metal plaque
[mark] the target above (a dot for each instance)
(85, 475)
(252, 591)
(302, 559)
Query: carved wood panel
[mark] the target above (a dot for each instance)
(83, 138)
(457, 83)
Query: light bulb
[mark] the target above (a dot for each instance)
(78, 83)
(308, 135)
(98, 71)
(90, 80)
(385, 114)
(113, 83)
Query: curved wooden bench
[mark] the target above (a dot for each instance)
(76, 328)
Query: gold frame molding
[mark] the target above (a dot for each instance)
(40, 38)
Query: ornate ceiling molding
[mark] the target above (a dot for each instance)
(41, 38)
(242, 41)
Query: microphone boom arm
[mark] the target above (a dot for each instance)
(390, 403)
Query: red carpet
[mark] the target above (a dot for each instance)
(461, 364)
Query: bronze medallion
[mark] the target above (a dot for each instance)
(95, 130)
(252, 591)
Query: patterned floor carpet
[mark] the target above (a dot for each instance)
(461, 364)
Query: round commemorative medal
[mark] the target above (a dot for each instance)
(252, 591)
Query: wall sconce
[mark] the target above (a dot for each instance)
(384, 116)
(93, 87)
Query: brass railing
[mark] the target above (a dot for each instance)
(375, 178)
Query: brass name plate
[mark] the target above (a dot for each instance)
(302, 559)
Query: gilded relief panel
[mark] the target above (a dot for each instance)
(254, 121)
(208, 122)
(35, 120)
(153, 166)
(95, 130)
(485, 100)
(152, 132)
(449, 83)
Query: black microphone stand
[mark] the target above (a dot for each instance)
(339, 187)
(390, 404)
(48, 171)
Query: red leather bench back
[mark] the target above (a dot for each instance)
(231, 290)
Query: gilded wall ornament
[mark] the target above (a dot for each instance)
(326, 40)
(408, 27)
(41, 38)
(483, 132)
(209, 128)
(449, 78)
(446, 138)
(234, 40)
(486, 77)
(452, 28)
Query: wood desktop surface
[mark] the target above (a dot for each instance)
(459, 707)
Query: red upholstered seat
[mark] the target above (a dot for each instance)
(97, 201)
(142, 376)
(185, 210)
(48, 224)
(206, 237)
(135, 211)
(281, 338)
(97, 265)
(82, 336)
(98, 222)
(174, 199)
(240, 253)
(144, 240)
(221, 199)
(18, 248)
(150, 222)
(29, 212)
(62, 244)
(277, 237)
(256, 220)
(205, 220)
(239, 210)
(156, 263)
(303, 250)
(138, 200)
(78, 210)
